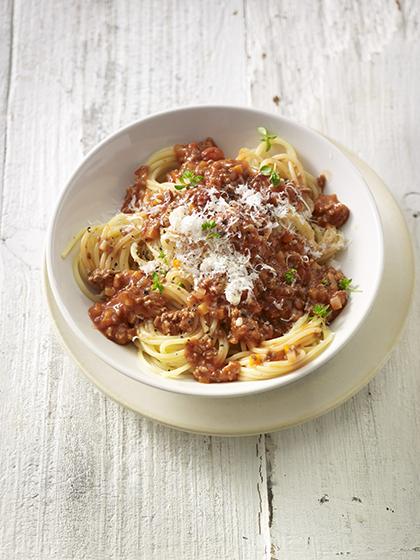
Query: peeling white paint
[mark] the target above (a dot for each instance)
(81, 478)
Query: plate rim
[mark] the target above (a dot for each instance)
(306, 417)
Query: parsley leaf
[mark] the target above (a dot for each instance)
(321, 310)
(157, 284)
(290, 276)
(162, 256)
(269, 171)
(275, 179)
(346, 284)
(214, 235)
(325, 282)
(208, 225)
(188, 179)
(266, 170)
(266, 137)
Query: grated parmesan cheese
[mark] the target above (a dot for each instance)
(202, 256)
(150, 266)
(235, 266)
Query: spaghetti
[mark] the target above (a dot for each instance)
(216, 267)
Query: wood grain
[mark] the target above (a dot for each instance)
(346, 485)
(6, 31)
(82, 478)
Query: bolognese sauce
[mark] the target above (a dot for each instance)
(240, 204)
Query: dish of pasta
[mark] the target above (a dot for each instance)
(220, 269)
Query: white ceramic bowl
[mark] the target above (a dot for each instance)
(95, 191)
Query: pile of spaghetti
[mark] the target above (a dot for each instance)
(218, 268)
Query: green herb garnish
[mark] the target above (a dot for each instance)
(266, 137)
(157, 284)
(162, 256)
(275, 179)
(211, 224)
(325, 282)
(208, 225)
(290, 276)
(214, 235)
(268, 171)
(346, 284)
(188, 179)
(321, 310)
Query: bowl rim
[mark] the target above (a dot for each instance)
(219, 390)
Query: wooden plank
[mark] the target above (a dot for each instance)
(346, 485)
(81, 477)
(6, 32)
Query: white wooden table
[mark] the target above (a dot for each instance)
(82, 478)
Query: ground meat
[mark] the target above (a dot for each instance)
(224, 172)
(321, 182)
(208, 374)
(135, 193)
(289, 242)
(230, 372)
(319, 294)
(198, 151)
(202, 355)
(131, 300)
(213, 153)
(275, 355)
(102, 280)
(324, 287)
(220, 174)
(209, 298)
(247, 329)
(156, 207)
(337, 302)
(245, 233)
(330, 211)
(177, 322)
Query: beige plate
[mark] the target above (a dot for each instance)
(343, 376)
